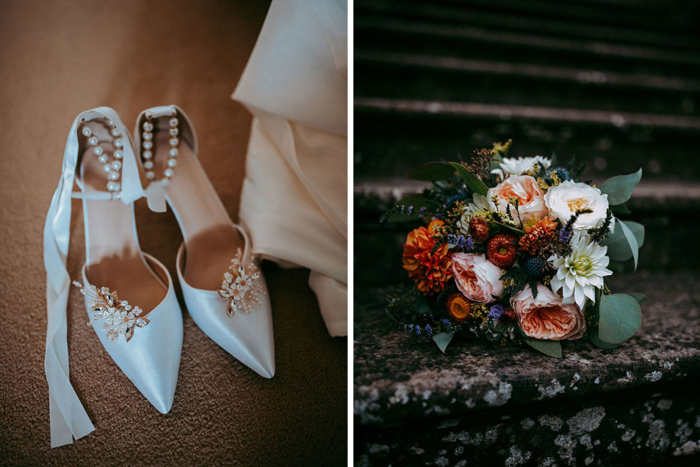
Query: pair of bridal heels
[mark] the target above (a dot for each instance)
(129, 294)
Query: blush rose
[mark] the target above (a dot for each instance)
(546, 317)
(476, 277)
(531, 204)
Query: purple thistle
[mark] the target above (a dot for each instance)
(495, 312)
(565, 235)
(429, 330)
(462, 242)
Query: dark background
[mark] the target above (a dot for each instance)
(615, 83)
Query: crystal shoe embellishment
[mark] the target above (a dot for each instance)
(120, 317)
(240, 288)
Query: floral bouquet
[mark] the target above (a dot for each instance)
(517, 250)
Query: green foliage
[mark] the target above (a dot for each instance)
(641, 298)
(620, 209)
(632, 241)
(618, 244)
(476, 185)
(620, 188)
(443, 340)
(620, 318)
(549, 348)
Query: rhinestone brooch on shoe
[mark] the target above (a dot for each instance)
(240, 288)
(120, 317)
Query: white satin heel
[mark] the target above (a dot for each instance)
(130, 297)
(224, 291)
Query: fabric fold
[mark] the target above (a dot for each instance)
(294, 199)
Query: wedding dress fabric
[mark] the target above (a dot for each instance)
(294, 199)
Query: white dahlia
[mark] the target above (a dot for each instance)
(513, 166)
(581, 272)
(478, 204)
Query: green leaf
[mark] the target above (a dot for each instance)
(619, 189)
(418, 201)
(632, 240)
(476, 185)
(620, 318)
(432, 171)
(442, 340)
(549, 348)
(641, 298)
(618, 245)
(620, 209)
(595, 340)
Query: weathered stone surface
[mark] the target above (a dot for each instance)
(645, 429)
(401, 380)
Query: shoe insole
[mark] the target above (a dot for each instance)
(211, 240)
(113, 254)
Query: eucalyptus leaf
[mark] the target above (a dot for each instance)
(617, 243)
(549, 348)
(442, 340)
(476, 185)
(432, 171)
(632, 240)
(620, 209)
(595, 340)
(418, 201)
(620, 188)
(641, 298)
(620, 318)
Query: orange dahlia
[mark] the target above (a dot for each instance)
(429, 270)
(458, 307)
(479, 228)
(501, 250)
(538, 236)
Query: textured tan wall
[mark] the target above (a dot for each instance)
(56, 60)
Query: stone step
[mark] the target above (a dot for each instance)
(437, 79)
(482, 404)
(398, 62)
(668, 211)
(576, 26)
(441, 38)
(673, 17)
(394, 136)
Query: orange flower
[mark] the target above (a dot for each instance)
(435, 226)
(479, 228)
(538, 236)
(458, 307)
(501, 250)
(429, 270)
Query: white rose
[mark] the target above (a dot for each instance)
(568, 197)
(513, 166)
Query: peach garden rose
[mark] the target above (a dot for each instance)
(546, 317)
(476, 277)
(530, 197)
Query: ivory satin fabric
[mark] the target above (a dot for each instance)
(294, 199)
